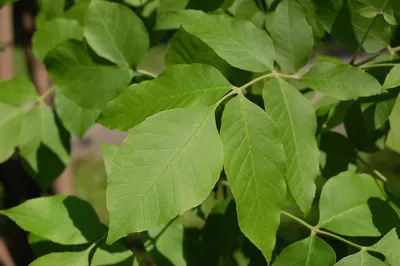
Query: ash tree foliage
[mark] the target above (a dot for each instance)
(249, 130)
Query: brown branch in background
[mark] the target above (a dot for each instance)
(18, 186)
(6, 39)
(64, 184)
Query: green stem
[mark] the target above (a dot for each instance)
(378, 65)
(320, 232)
(238, 90)
(373, 170)
(45, 95)
(146, 73)
(394, 49)
(154, 239)
(354, 58)
(317, 231)
(251, 82)
(266, 76)
(300, 221)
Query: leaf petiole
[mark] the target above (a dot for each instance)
(316, 230)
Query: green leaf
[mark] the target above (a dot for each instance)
(393, 139)
(389, 245)
(292, 36)
(379, 35)
(65, 258)
(39, 127)
(51, 8)
(10, 126)
(249, 10)
(238, 42)
(74, 117)
(179, 86)
(357, 213)
(312, 251)
(108, 152)
(124, 46)
(53, 33)
(17, 91)
(168, 241)
(164, 21)
(80, 79)
(310, 11)
(116, 254)
(154, 179)
(377, 109)
(136, 3)
(61, 219)
(340, 81)
(296, 122)
(185, 48)
(393, 78)
(361, 258)
(255, 166)
(78, 11)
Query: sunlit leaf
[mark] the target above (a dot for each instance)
(10, 126)
(297, 124)
(238, 42)
(168, 241)
(177, 87)
(154, 179)
(341, 81)
(80, 79)
(53, 33)
(393, 139)
(74, 117)
(185, 48)
(61, 219)
(357, 213)
(361, 258)
(17, 91)
(124, 46)
(292, 36)
(312, 251)
(389, 245)
(255, 167)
